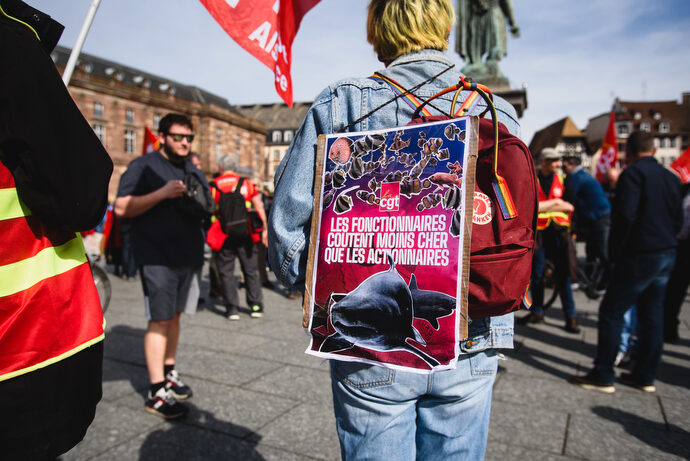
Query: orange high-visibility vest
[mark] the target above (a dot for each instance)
(560, 218)
(49, 305)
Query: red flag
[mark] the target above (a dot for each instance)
(609, 151)
(266, 29)
(682, 166)
(151, 141)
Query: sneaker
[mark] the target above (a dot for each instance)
(629, 380)
(591, 384)
(232, 313)
(623, 359)
(163, 404)
(531, 318)
(176, 387)
(257, 311)
(294, 294)
(571, 325)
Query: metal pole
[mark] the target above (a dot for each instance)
(69, 68)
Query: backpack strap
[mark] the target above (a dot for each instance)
(238, 187)
(402, 94)
(503, 196)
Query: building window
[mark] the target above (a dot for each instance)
(129, 116)
(97, 109)
(257, 154)
(672, 142)
(218, 149)
(130, 141)
(664, 127)
(287, 136)
(276, 136)
(238, 142)
(624, 129)
(666, 142)
(100, 132)
(645, 126)
(276, 155)
(657, 143)
(219, 133)
(156, 121)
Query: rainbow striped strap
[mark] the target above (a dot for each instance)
(505, 200)
(468, 104)
(398, 89)
(526, 302)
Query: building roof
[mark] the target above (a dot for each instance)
(277, 116)
(553, 134)
(653, 111)
(128, 75)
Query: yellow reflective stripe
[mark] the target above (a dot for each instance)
(10, 205)
(21, 22)
(56, 359)
(19, 276)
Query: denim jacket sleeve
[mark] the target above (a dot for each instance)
(290, 217)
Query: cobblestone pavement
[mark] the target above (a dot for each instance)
(257, 396)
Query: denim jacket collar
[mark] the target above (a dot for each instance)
(422, 55)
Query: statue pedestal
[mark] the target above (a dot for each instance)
(517, 97)
(489, 75)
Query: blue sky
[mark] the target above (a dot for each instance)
(574, 57)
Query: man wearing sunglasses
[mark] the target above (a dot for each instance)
(168, 246)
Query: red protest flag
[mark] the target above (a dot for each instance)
(682, 166)
(151, 141)
(609, 151)
(266, 29)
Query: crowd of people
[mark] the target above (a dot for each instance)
(403, 414)
(632, 230)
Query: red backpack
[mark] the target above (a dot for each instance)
(504, 233)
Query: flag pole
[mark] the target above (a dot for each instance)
(72, 61)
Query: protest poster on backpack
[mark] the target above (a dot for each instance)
(388, 265)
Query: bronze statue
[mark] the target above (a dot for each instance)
(480, 31)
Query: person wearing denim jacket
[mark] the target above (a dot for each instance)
(382, 412)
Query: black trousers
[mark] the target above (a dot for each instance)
(225, 260)
(46, 412)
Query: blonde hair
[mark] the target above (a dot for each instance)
(398, 27)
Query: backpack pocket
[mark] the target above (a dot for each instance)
(498, 279)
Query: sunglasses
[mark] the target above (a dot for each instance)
(179, 137)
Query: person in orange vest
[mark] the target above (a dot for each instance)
(54, 175)
(245, 248)
(553, 226)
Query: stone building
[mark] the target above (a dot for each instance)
(668, 121)
(119, 101)
(281, 124)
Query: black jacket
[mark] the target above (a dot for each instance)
(646, 213)
(61, 169)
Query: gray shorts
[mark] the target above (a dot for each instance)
(170, 289)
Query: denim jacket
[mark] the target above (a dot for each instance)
(337, 106)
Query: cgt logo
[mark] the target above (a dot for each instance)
(390, 196)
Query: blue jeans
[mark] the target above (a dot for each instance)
(390, 414)
(638, 279)
(556, 249)
(628, 330)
